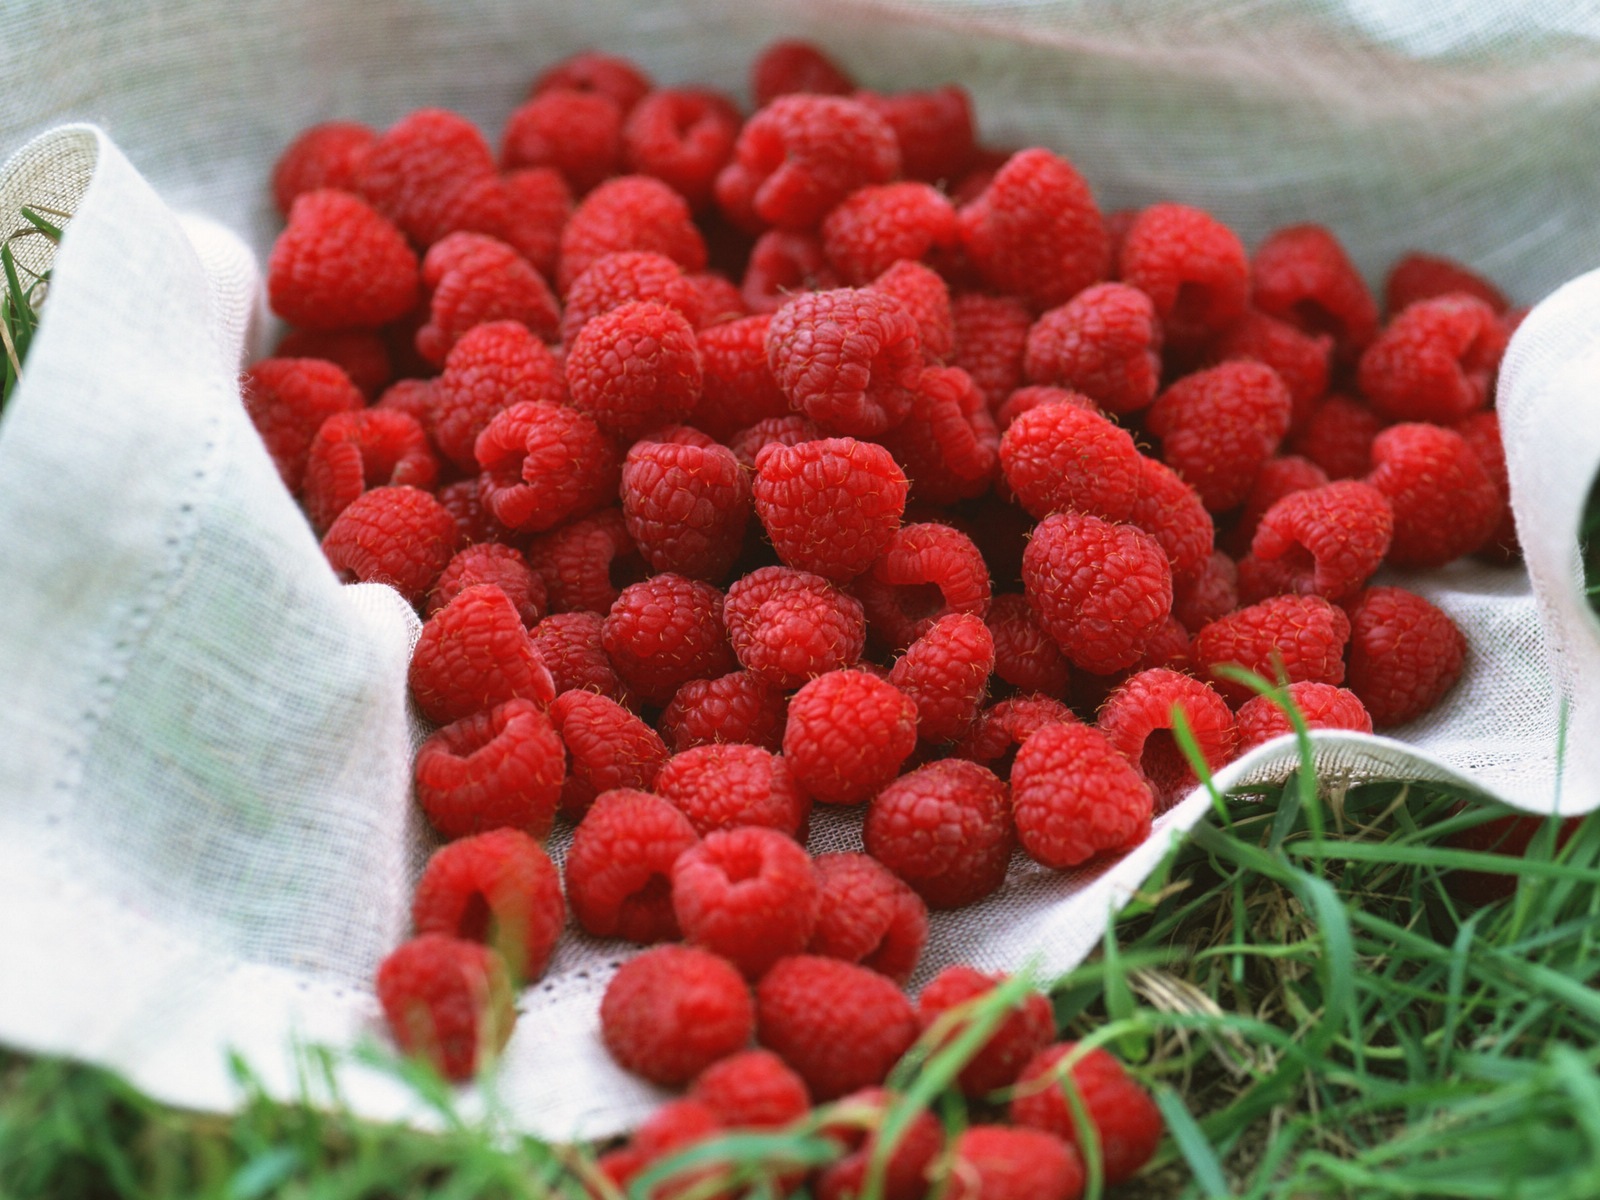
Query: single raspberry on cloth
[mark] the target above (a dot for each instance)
(1405, 654)
(847, 734)
(339, 264)
(447, 1001)
(830, 507)
(607, 748)
(619, 867)
(1126, 1121)
(1074, 795)
(500, 768)
(868, 915)
(474, 654)
(1137, 719)
(748, 894)
(945, 829)
(672, 1011)
(401, 536)
(848, 358)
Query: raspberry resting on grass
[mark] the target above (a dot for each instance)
(671, 1012)
(748, 894)
(1287, 638)
(945, 829)
(868, 915)
(997, 1162)
(499, 888)
(503, 767)
(447, 1001)
(619, 866)
(1074, 795)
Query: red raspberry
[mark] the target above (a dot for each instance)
(727, 786)
(840, 1026)
(831, 506)
(499, 768)
(329, 155)
(788, 626)
(569, 644)
(355, 451)
(675, 1126)
(739, 708)
(752, 1090)
(426, 171)
(491, 562)
(785, 431)
(1105, 343)
(1035, 231)
(630, 212)
(1026, 399)
(1416, 276)
(926, 571)
(1171, 511)
(856, 1130)
(619, 865)
(1193, 268)
(538, 202)
(672, 1011)
(359, 353)
(615, 279)
(1482, 433)
(848, 358)
(474, 522)
(948, 446)
(1125, 1118)
(792, 65)
(923, 294)
(1445, 505)
(748, 894)
(1024, 654)
(1100, 590)
(1321, 705)
(1209, 596)
(1218, 426)
(1405, 654)
(945, 672)
(474, 280)
(1302, 360)
(601, 74)
(934, 130)
(474, 654)
(1074, 796)
(737, 382)
(1327, 541)
(447, 1001)
(720, 298)
(1435, 361)
(995, 1162)
(1303, 276)
(683, 137)
(607, 748)
(1137, 717)
(991, 340)
(1001, 728)
(1508, 836)
(945, 829)
(1028, 1027)
(1338, 437)
(868, 915)
(782, 264)
(339, 265)
(1058, 456)
(802, 154)
(499, 888)
(1295, 637)
(576, 133)
(586, 564)
(686, 507)
(663, 632)
(875, 227)
(544, 464)
(847, 734)
(1280, 476)
(492, 367)
(395, 535)
(634, 368)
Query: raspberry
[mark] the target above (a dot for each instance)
(474, 654)
(849, 359)
(1327, 540)
(544, 464)
(499, 888)
(868, 915)
(719, 298)
(1218, 426)
(329, 155)
(498, 768)
(1100, 590)
(607, 747)
(1322, 706)
(802, 154)
(663, 632)
(339, 265)
(1405, 654)
(475, 279)
(630, 212)
(1193, 268)
(840, 1026)
(752, 1090)
(1303, 276)
(738, 708)
(576, 133)
(926, 572)
(1482, 433)
(1445, 505)
(1004, 726)
(493, 366)
(599, 74)
(1209, 596)
(615, 279)
(538, 203)
(619, 866)
(686, 507)
(1302, 360)
(789, 430)
(1026, 1029)
(1026, 399)
(792, 65)
(1287, 638)
(359, 353)
(424, 169)
(474, 523)
(1024, 654)
(1279, 477)
(991, 340)
(727, 786)
(1075, 796)
(1125, 1118)
(1509, 836)
(1137, 716)
(1338, 437)
(1060, 456)
(923, 294)
(847, 734)
(1171, 511)
(875, 227)
(788, 626)
(368, 448)
(995, 1162)
(748, 894)
(672, 1011)
(1035, 231)
(1435, 361)
(945, 672)
(634, 368)
(288, 399)
(569, 644)
(675, 1126)
(586, 564)
(945, 829)
(500, 565)
(906, 1166)
(447, 1001)
(1105, 343)
(831, 506)
(395, 535)
(737, 382)
(683, 137)
(948, 446)
(933, 128)
(783, 263)
(1415, 277)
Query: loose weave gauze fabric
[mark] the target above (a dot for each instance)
(207, 841)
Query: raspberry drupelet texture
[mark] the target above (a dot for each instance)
(1302, 360)
(1444, 502)
(907, 1164)
(474, 279)
(737, 384)
(585, 564)
(946, 672)
(789, 430)
(500, 768)
(544, 464)
(339, 264)
(630, 212)
(752, 1089)
(683, 137)
(1482, 432)
(401, 536)
(474, 522)
(663, 632)
(791, 65)
(1105, 343)
(672, 1011)
(847, 734)
(945, 829)
(1321, 706)
(875, 227)
(1280, 476)
(362, 354)
(1075, 796)
(493, 366)
(1326, 541)
(1025, 656)
(848, 358)
(1126, 1121)
(686, 507)
(491, 562)
(619, 866)
(570, 645)
(748, 894)
(447, 1001)
(730, 785)
(1417, 276)
(607, 748)
(539, 203)
(1338, 437)
(474, 654)
(329, 155)
(1028, 1027)
(287, 400)
(868, 915)
(927, 571)
(991, 341)
(1059, 456)
(1302, 275)
(788, 626)
(1405, 654)
(1295, 637)
(499, 888)
(578, 134)
(924, 294)
(369, 448)
(736, 708)
(1173, 513)
(850, 1042)
(1193, 268)
(831, 506)
(610, 75)
(414, 397)
(997, 1162)
(1137, 720)
(782, 264)
(428, 173)
(1219, 426)
(614, 279)
(1002, 727)
(948, 445)
(934, 129)
(634, 368)
(1435, 361)
(1209, 596)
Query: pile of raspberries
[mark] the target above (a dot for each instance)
(825, 456)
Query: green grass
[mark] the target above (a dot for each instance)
(22, 298)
